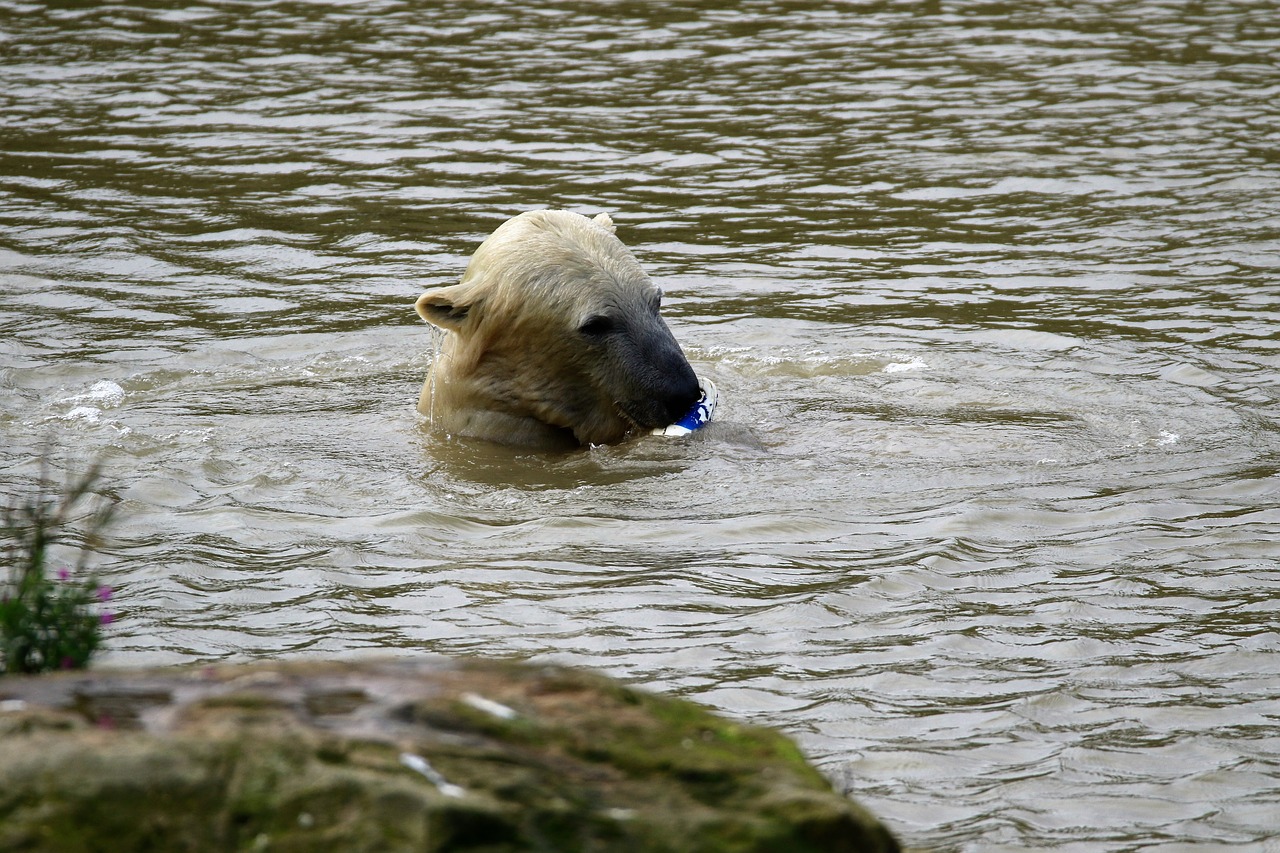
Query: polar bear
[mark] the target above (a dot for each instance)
(553, 340)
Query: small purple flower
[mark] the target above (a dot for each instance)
(68, 663)
(104, 593)
(106, 617)
(64, 573)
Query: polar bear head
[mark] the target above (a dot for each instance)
(554, 340)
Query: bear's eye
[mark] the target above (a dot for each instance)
(597, 326)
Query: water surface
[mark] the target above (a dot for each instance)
(990, 292)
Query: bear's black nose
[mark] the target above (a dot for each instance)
(681, 392)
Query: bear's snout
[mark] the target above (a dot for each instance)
(674, 388)
(683, 394)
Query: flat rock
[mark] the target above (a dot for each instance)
(408, 754)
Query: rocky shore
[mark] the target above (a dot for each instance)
(398, 755)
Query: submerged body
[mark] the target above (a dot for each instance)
(554, 340)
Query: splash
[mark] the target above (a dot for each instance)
(104, 393)
(903, 366)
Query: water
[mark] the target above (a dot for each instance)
(990, 293)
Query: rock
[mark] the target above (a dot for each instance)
(422, 755)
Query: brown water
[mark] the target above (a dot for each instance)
(991, 294)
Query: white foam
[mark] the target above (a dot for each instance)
(88, 414)
(903, 366)
(87, 407)
(104, 392)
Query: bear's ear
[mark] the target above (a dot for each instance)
(605, 222)
(446, 307)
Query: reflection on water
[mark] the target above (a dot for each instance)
(989, 291)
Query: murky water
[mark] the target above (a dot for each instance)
(991, 294)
